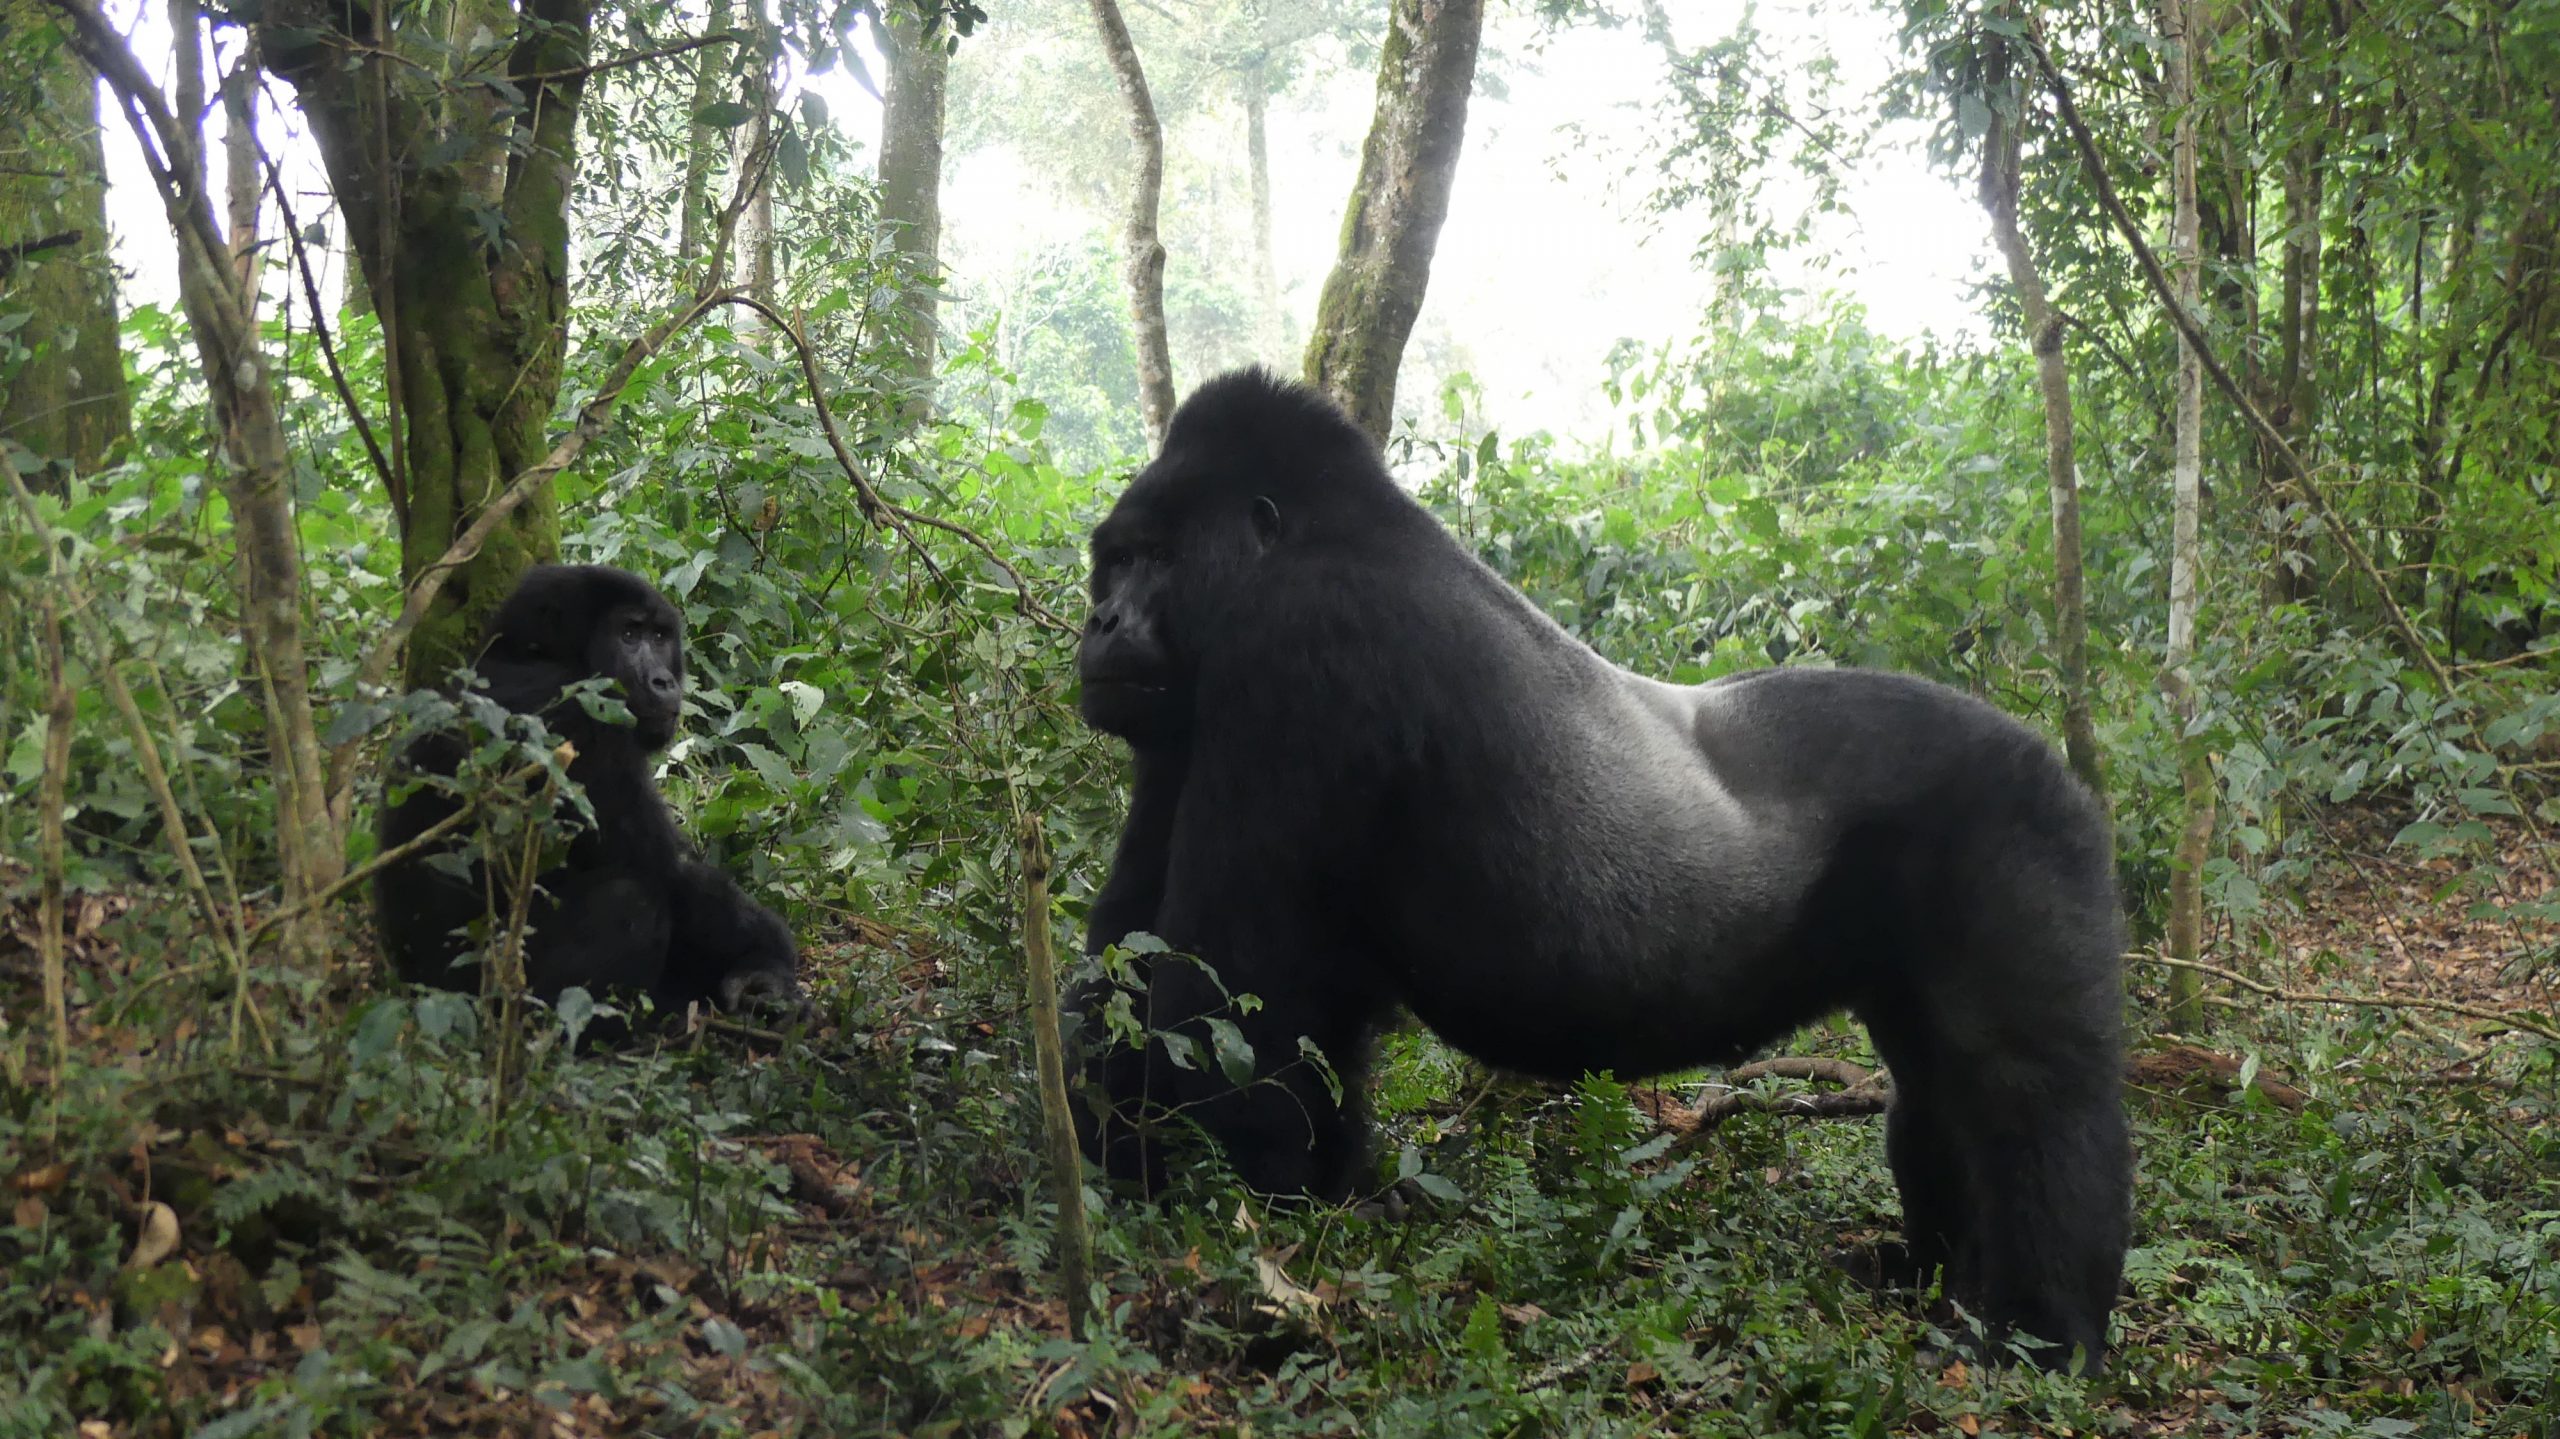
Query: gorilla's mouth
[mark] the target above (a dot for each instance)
(1123, 684)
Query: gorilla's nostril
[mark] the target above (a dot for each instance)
(663, 684)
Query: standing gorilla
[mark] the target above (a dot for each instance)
(631, 907)
(1369, 774)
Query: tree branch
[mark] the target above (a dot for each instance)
(874, 506)
(2511, 1019)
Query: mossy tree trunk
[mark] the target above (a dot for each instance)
(476, 319)
(62, 391)
(1426, 72)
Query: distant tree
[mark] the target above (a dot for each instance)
(1426, 72)
(911, 130)
(62, 387)
(1142, 249)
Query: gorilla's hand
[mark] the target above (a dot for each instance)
(770, 993)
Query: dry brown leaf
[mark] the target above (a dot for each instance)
(1289, 1295)
(42, 1180)
(1641, 1372)
(1522, 1313)
(29, 1213)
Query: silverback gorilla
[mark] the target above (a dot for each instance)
(631, 907)
(1370, 775)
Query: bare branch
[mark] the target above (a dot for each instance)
(2511, 1019)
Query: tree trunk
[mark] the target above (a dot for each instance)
(2195, 771)
(1999, 191)
(1255, 78)
(756, 240)
(703, 150)
(476, 332)
(1426, 70)
(66, 401)
(911, 190)
(1142, 253)
(243, 184)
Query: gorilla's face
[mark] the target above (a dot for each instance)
(641, 648)
(1174, 557)
(1136, 684)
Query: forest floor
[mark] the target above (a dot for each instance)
(351, 1219)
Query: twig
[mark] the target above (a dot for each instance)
(399, 853)
(2509, 1018)
(721, 1024)
(1839, 1104)
(637, 57)
(391, 479)
(60, 712)
(1806, 1067)
(1066, 1174)
(875, 506)
(1566, 1368)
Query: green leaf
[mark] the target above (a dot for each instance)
(723, 115)
(1235, 1052)
(1439, 1188)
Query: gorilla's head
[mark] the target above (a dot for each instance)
(1251, 462)
(585, 620)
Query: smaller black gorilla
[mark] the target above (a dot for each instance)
(1371, 777)
(632, 907)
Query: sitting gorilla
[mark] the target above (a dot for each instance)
(631, 907)
(1370, 775)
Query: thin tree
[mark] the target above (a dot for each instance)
(704, 145)
(1253, 80)
(2177, 680)
(1141, 249)
(1426, 73)
(911, 128)
(2001, 164)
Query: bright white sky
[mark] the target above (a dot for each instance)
(1549, 256)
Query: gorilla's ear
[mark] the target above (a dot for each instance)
(1266, 521)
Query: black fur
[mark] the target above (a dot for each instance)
(1370, 775)
(632, 907)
